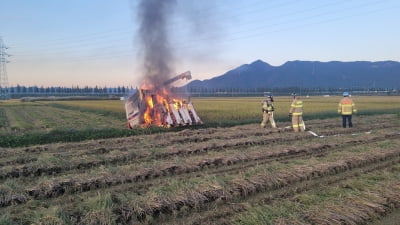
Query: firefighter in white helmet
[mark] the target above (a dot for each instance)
(267, 107)
(346, 109)
(296, 113)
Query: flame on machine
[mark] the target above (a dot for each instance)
(157, 106)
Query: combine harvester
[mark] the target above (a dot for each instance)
(157, 106)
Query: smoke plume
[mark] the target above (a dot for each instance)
(157, 56)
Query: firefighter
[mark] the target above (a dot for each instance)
(296, 114)
(267, 107)
(346, 109)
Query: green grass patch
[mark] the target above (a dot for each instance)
(90, 110)
(3, 118)
(6, 220)
(70, 136)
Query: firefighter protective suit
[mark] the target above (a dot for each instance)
(346, 109)
(296, 112)
(267, 107)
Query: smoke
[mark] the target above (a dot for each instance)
(158, 59)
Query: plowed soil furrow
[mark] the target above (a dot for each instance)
(167, 139)
(218, 213)
(212, 166)
(151, 141)
(132, 156)
(7, 199)
(20, 160)
(229, 165)
(219, 165)
(257, 184)
(215, 166)
(298, 153)
(359, 209)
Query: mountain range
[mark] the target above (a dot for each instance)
(308, 74)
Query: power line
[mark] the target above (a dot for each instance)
(4, 89)
(248, 33)
(299, 23)
(68, 45)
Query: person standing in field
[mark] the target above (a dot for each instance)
(346, 109)
(267, 107)
(296, 114)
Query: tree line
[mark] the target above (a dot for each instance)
(23, 91)
(20, 90)
(282, 91)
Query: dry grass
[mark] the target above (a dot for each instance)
(243, 108)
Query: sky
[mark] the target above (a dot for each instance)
(95, 42)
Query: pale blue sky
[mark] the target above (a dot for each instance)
(94, 42)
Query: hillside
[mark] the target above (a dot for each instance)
(308, 74)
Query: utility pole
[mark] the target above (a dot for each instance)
(4, 90)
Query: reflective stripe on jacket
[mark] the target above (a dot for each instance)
(296, 109)
(346, 106)
(267, 106)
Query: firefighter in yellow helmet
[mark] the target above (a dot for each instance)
(267, 107)
(296, 113)
(346, 109)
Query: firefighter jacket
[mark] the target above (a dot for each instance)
(267, 106)
(296, 108)
(346, 106)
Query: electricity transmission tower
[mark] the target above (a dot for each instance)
(4, 90)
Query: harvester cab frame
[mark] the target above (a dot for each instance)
(144, 105)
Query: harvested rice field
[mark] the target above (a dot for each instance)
(242, 174)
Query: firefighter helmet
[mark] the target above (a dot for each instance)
(345, 94)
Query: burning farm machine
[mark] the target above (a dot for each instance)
(156, 106)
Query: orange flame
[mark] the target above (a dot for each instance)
(177, 103)
(158, 105)
(147, 113)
